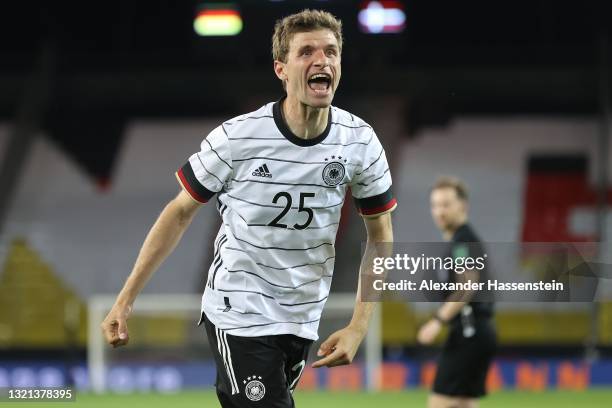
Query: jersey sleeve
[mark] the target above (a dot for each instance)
(371, 184)
(207, 171)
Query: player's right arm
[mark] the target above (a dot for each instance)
(205, 174)
(159, 243)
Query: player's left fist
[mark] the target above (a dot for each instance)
(429, 331)
(339, 348)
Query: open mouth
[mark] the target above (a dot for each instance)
(319, 82)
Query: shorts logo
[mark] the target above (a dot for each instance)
(254, 390)
(333, 173)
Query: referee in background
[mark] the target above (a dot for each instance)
(471, 343)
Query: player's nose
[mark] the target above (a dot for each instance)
(321, 59)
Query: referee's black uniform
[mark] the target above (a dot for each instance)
(471, 344)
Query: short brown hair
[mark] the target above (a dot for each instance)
(304, 21)
(454, 183)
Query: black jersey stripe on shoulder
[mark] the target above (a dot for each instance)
(256, 138)
(276, 284)
(352, 127)
(282, 206)
(281, 248)
(348, 144)
(208, 171)
(269, 324)
(214, 151)
(376, 179)
(371, 164)
(224, 131)
(233, 121)
(287, 184)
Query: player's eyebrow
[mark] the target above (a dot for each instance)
(308, 47)
(305, 48)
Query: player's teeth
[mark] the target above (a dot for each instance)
(317, 76)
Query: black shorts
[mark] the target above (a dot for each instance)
(257, 371)
(464, 363)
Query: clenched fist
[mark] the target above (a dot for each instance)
(114, 325)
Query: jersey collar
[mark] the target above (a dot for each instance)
(284, 129)
(463, 228)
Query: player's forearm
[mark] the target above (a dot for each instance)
(362, 312)
(380, 242)
(159, 243)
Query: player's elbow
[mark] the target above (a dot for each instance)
(379, 229)
(178, 214)
(381, 235)
(183, 208)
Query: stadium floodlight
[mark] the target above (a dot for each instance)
(217, 19)
(382, 17)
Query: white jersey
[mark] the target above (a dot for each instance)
(280, 199)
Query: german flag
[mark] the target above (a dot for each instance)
(214, 19)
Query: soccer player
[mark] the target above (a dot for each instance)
(470, 346)
(280, 175)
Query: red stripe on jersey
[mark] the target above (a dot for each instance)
(380, 209)
(189, 189)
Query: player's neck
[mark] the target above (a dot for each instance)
(304, 121)
(449, 232)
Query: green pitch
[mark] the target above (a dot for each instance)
(599, 398)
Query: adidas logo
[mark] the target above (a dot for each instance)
(262, 171)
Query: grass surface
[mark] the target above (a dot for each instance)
(599, 398)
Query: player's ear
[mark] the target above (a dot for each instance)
(279, 70)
